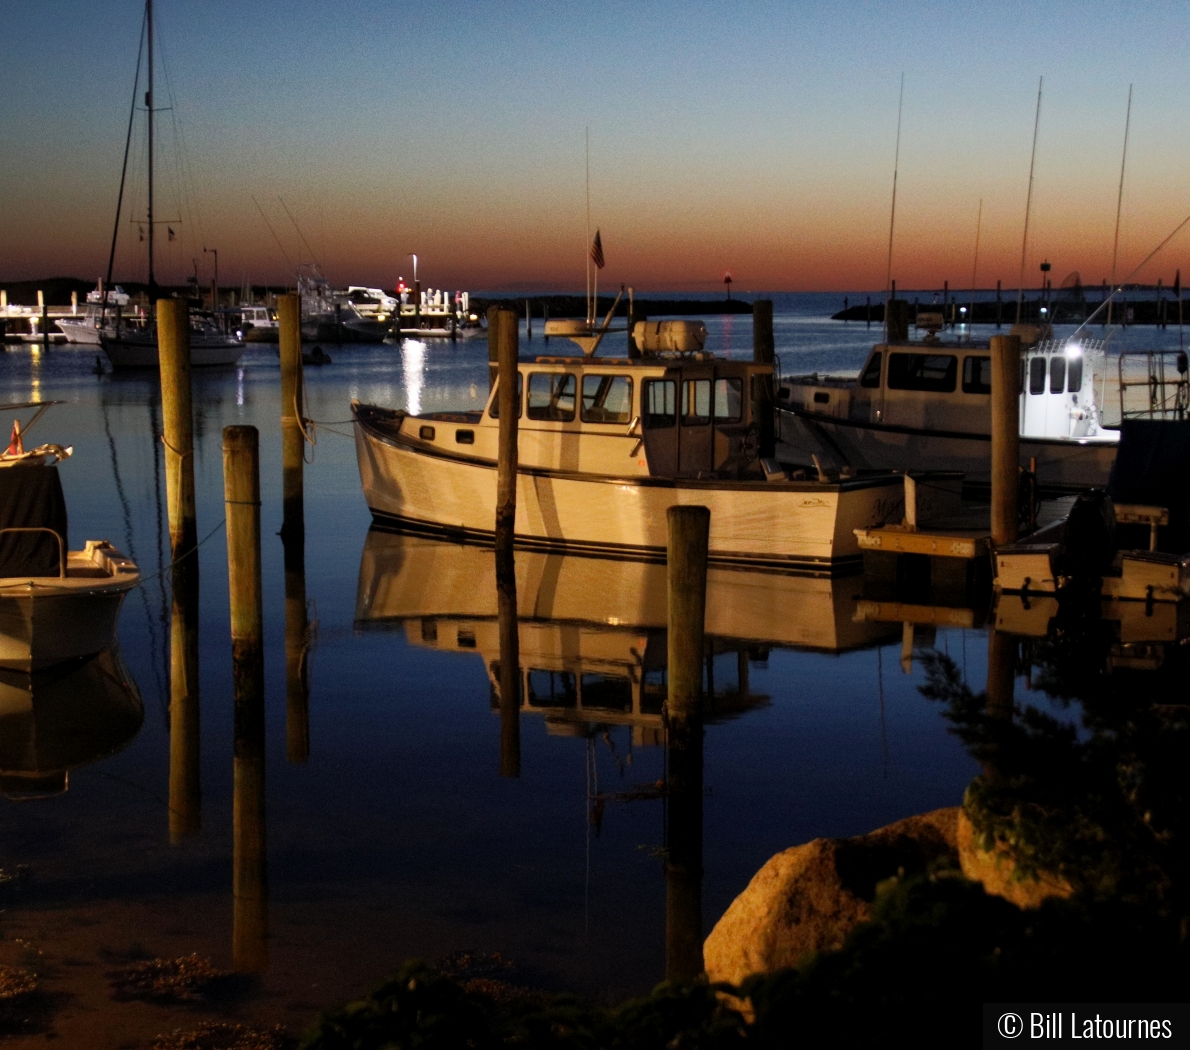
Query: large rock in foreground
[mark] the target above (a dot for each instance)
(810, 897)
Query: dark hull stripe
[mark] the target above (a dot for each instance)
(794, 566)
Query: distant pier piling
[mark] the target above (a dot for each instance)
(528, 319)
(764, 353)
(241, 490)
(689, 534)
(177, 413)
(503, 332)
(1006, 440)
(293, 529)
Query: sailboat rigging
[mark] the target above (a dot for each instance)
(130, 346)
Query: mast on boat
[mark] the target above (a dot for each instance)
(1115, 248)
(1020, 292)
(149, 108)
(893, 215)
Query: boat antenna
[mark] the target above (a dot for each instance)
(149, 109)
(111, 258)
(284, 253)
(1020, 292)
(975, 266)
(587, 246)
(313, 257)
(1115, 248)
(893, 215)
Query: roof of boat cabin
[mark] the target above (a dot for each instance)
(646, 361)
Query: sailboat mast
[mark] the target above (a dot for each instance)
(1115, 248)
(1020, 292)
(587, 246)
(892, 218)
(149, 108)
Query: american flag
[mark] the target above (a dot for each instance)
(597, 251)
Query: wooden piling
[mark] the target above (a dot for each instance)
(293, 530)
(177, 415)
(1006, 440)
(241, 491)
(506, 349)
(528, 319)
(493, 346)
(689, 533)
(763, 395)
(293, 442)
(510, 666)
(185, 752)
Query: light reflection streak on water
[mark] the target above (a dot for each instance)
(413, 366)
(240, 386)
(35, 374)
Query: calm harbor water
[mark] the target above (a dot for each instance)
(397, 838)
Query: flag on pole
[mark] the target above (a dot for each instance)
(597, 251)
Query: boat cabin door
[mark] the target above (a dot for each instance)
(696, 432)
(659, 418)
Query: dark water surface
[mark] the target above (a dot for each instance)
(397, 837)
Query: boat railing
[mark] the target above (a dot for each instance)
(42, 528)
(1154, 384)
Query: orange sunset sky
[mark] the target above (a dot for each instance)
(756, 138)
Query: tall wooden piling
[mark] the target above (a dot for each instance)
(293, 442)
(506, 349)
(241, 490)
(503, 339)
(173, 351)
(764, 353)
(689, 533)
(1006, 439)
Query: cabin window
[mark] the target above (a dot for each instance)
(932, 372)
(426, 433)
(552, 689)
(660, 403)
(494, 407)
(606, 691)
(729, 400)
(1057, 374)
(1074, 375)
(607, 399)
(465, 437)
(1037, 375)
(871, 376)
(977, 375)
(696, 402)
(551, 396)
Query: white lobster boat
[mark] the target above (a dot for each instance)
(927, 405)
(606, 446)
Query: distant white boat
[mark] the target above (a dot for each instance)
(86, 330)
(258, 324)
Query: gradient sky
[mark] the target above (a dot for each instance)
(751, 137)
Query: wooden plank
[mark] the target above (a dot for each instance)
(897, 540)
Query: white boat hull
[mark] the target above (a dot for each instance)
(47, 620)
(1063, 464)
(124, 354)
(79, 330)
(796, 526)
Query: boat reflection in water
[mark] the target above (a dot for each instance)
(66, 716)
(592, 644)
(592, 630)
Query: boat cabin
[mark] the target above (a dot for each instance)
(946, 386)
(660, 416)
